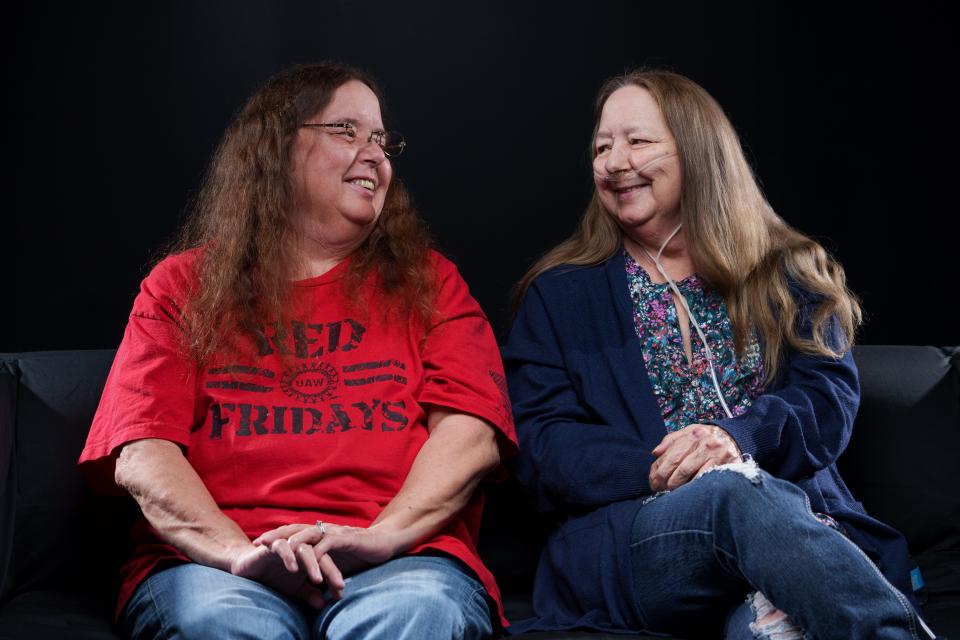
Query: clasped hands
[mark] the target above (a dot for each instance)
(309, 564)
(685, 453)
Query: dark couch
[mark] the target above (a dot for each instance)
(60, 545)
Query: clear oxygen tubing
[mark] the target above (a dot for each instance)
(626, 175)
(693, 318)
(627, 178)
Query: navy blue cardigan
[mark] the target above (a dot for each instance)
(587, 420)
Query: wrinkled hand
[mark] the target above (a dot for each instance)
(352, 548)
(276, 566)
(683, 454)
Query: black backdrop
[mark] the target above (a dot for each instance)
(112, 110)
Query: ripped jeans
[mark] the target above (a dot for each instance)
(701, 553)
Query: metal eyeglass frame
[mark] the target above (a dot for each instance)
(350, 130)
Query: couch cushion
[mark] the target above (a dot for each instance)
(64, 537)
(37, 615)
(902, 462)
(943, 614)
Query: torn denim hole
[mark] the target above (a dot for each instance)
(775, 624)
(746, 467)
(650, 499)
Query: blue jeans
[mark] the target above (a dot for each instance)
(698, 551)
(412, 597)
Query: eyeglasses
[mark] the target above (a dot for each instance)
(391, 142)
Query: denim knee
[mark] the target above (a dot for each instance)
(441, 608)
(193, 601)
(416, 598)
(228, 617)
(746, 493)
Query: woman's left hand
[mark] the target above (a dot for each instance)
(352, 548)
(683, 454)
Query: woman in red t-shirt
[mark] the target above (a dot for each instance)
(306, 396)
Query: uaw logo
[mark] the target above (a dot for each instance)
(310, 383)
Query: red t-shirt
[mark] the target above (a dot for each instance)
(321, 421)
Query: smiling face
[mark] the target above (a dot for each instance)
(635, 166)
(340, 186)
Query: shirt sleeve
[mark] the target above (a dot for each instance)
(804, 422)
(150, 389)
(569, 458)
(461, 361)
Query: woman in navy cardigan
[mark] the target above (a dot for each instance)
(682, 383)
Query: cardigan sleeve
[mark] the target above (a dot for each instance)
(804, 422)
(569, 459)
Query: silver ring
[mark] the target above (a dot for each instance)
(323, 531)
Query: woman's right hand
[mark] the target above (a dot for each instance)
(277, 567)
(689, 452)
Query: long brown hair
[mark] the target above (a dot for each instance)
(243, 220)
(738, 244)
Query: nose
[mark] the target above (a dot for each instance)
(618, 159)
(371, 153)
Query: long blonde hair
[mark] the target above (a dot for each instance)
(739, 245)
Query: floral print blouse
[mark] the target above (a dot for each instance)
(685, 391)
